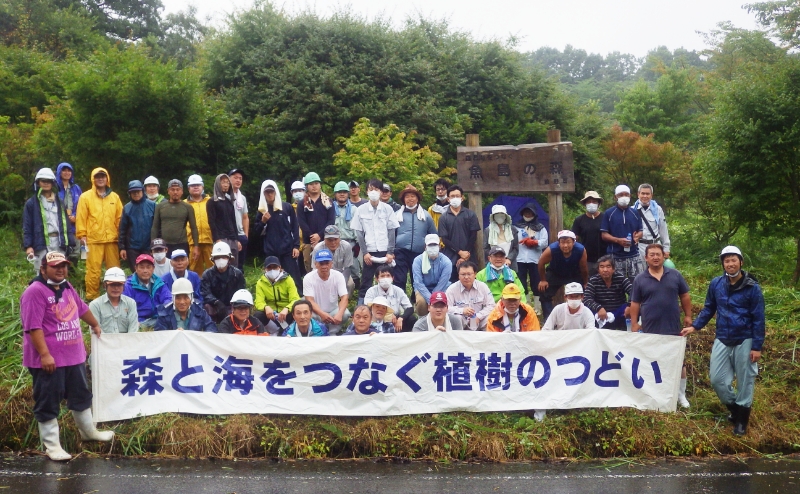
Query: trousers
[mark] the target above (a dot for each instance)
(728, 362)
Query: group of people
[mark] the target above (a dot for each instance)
(186, 257)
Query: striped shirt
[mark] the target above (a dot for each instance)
(600, 296)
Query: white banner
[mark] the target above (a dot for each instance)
(386, 374)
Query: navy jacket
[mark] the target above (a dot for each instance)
(281, 233)
(740, 312)
(74, 192)
(33, 234)
(135, 225)
(199, 320)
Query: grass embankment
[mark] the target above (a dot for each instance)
(703, 430)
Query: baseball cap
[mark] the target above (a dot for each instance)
(56, 259)
(134, 185)
(387, 187)
(235, 171)
(158, 243)
(511, 291)
(323, 256)
(353, 183)
(332, 231)
(341, 187)
(431, 239)
(438, 297)
(269, 186)
(145, 257)
(178, 253)
(496, 250)
(271, 260)
(175, 183)
(566, 234)
(573, 288)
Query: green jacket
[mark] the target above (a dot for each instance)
(496, 286)
(278, 295)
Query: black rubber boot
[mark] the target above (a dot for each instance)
(734, 409)
(742, 419)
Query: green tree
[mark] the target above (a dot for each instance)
(28, 79)
(781, 18)
(391, 155)
(755, 141)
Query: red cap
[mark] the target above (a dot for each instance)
(145, 257)
(438, 297)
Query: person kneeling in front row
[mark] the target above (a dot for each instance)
(572, 314)
(183, 313)
(240, 321)
(362, 322)
(304, 324)
(438, 318)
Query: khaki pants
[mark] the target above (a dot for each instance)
(98, 254)
(203, 261)
(421, 306)
(307, 249)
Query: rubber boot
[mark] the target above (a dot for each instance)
(87, 429)
(682, 401)
(742, 420)
(734, 409)
(48, 432)
(539, 415)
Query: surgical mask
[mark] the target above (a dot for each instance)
(273, 274)
(441, 198)
(499, 219)
(574, 304)
(624, 201)
(734, 275)
(152, 197)
(511, 313)
(221, 263)
(528, 218)
(56, 283)
(159, 256)
(455, 202)
(374, 195)
(385, 283)
(591, 208)
(432, 251)
(298, 196)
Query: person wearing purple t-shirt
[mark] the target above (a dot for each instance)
(54, 353)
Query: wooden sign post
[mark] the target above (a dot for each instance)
(544, 167)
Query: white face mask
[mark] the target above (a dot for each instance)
(221, 263)
(574, 304)
(734, 275)
(455, 202)
(624, 201)
(152, 197)
(591, 208)
(499, 219)
(433, 251)
(385, 283)
(298, 196)
(160, 256)
(441, 198)
(509, 312)
(528, 218)
(273, 274)
(374, 195)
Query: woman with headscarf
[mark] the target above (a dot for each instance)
(532, 242)
(276, 225)
(501, 233)
(222, 216)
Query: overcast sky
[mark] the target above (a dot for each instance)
(598, 26)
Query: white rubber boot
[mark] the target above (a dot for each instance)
(87, 429)
(682, 401)
(48, 432)
(539, 415)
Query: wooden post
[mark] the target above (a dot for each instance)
(476, 205)
(554, 199)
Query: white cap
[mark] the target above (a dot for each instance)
(573, 288)
(115, 275)
(380, 300)
(220, 249)
(195, 180)
(298, 185)
(241, 297)
(45, 174)
(182, 286)
(731, 249)
(499, 208)
(178, 253)
(566, 234)
(151, 180)
(431, 239)
(622, 188)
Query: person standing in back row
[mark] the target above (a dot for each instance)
(621, 228)
(654, 221)
(242, 219)
(69, 193)
(198, 201)
(171, 218)
(135, 224)
(314, 214)
(222, 213)
(587, 228)
(458, 230)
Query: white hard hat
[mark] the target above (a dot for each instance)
(151, 180)
(182, 286)
(115, 275)
(731, 249)
(45, 174)
(195, 180)
(221, 249)
(241, 297)
(573, 288)
(298, 185)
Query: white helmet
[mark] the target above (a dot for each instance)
(298, 185)
(45, 174)
(241, 297)
(731, 249)
(115, 275)
(221, 249)
(151, 180)
(182, 286)
(195, 180)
